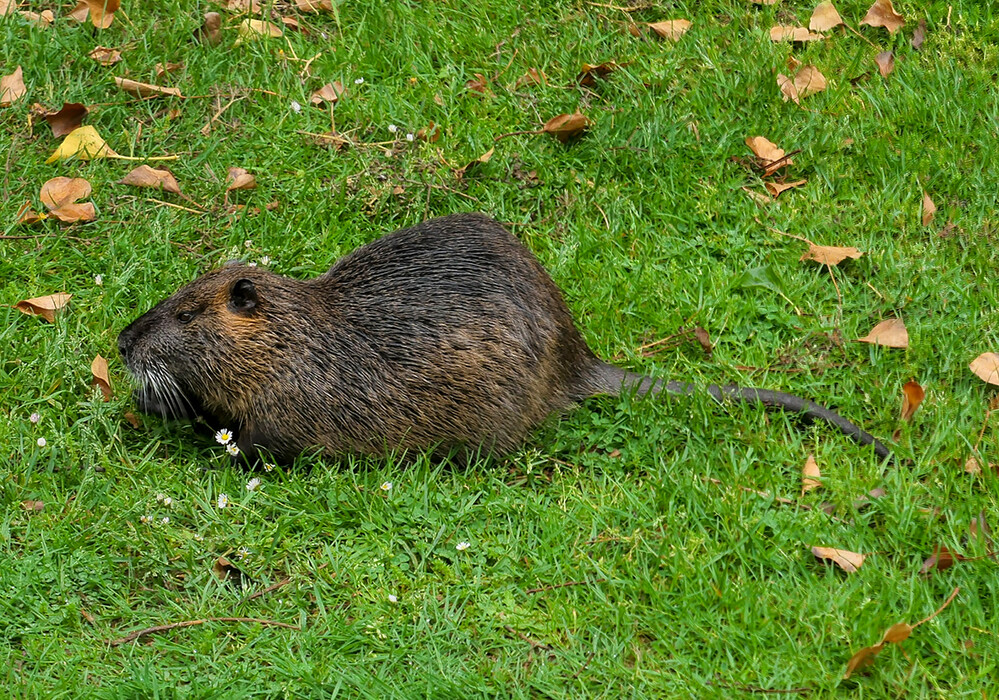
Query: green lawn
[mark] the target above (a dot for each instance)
(678, 521)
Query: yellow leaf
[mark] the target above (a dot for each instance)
(84, 144)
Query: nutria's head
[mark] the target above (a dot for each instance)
(205, 347)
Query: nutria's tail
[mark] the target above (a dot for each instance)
(608, 379)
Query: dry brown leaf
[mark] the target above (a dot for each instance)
(330, 92)
(33, 506)
(780, 33)
(844, 559)
(12, 87)
(28, 216)
(764, 2)
(829, 254)
(157, 178)
(986, 367)
(45, 307)
(807, 81)
(479, 84)
(971, 466)
(886, 63)
(484, 158)
(43, 19)
(758, 198)
(166, 68)
(80, 12)
(252, 29)
(912, 396)
(919, 36)
(533, 76)
(7, 6)
(775, 188)
(229, 572)
(566, 126)
(210, 32)
(74, 211)
(671, 29)
(62, 190)
(898, 632)
(890, 333)
(430, 133)
(810, 475)
(882, 14)
(929, 209)
(145, 89)
(771, 157)
(942, 558)
(589, 73)
(703, 339)
(862, 658)
(105, 55)
(240, 179)
(314, 5)
(66, 119)
(84, 144)
(99, 376)
(292, 24)
(101, 12)
(824, 18)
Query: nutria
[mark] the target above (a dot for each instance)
(449, 333)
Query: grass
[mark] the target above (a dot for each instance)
(683, 586)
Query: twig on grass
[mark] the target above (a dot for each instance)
(542, 589)
(272, 587)
(534, 644)
(191, 623)
(582, 668)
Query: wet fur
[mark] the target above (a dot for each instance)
(449, 333)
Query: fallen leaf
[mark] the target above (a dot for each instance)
(824, 18)
(589, 73)
(145, 89)
(429, 133)
(864, 657)
(44, 19)
(166, 68)
(133, 420)
(240, 179)
(157, 178)
(479, 84)
(780, 33)
(771, 157)
(703, 339)
(829, 254)
(891, 333)
(80, 12)
(758, 197)
(986, 367)
(84, 144)
(251, 6)
(929, 209)
(484, 158)
(807, 81)
(99, 376)
(314, 5)
(101, 12)
(252, 29)
(671, 29)
(912, 396)
(886, 63)
(292, 24)
(210, 32)
(105, 55)
(66, 119)
(919, 36)
(229, 572)
(566, 126)
(942, 558)
(764, 2)
(533, 76)
(846, 560)
(61, 190)
(882, 14)
(45, 307)
(330, 92)
(28, 216)
(12, 87)
(33, 506)
(7, 6)
(775, 188)
(971, 466)
(810, 475)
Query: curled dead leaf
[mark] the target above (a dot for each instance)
(83, 143)
(253, 29)
(43, 19)
(28, 216)
(104, 55)
(66, 119)
(101, 12)
(226, 571)
(929, 209)
(566, 126)
(986, 367)
(824, 18)
(157, 178)
(33, 506)
(533, 76)
(912, 396)
(484, 158)
(61, 194)
(771, 158)
(829, 254)
(919, 36)
(844, 559)
(886, 63)
(45, 307)
(588, 73)
(330, 92)
(479, 84)
(890, 333)
(671, 29)
(430, 133)
(810, 475)
(864, 657)
(167, 68)
(12, 87)
(775, 188)
(882, 14)
(99, 376)
(210, 32)
(145, 89)
(806, 82)
(240, 179)
(942, 558)
(779, 33)
(314, 5)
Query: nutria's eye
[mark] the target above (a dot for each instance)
(185, 316)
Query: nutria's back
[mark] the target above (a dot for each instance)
(446, 333)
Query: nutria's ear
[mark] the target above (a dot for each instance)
(243, 296)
